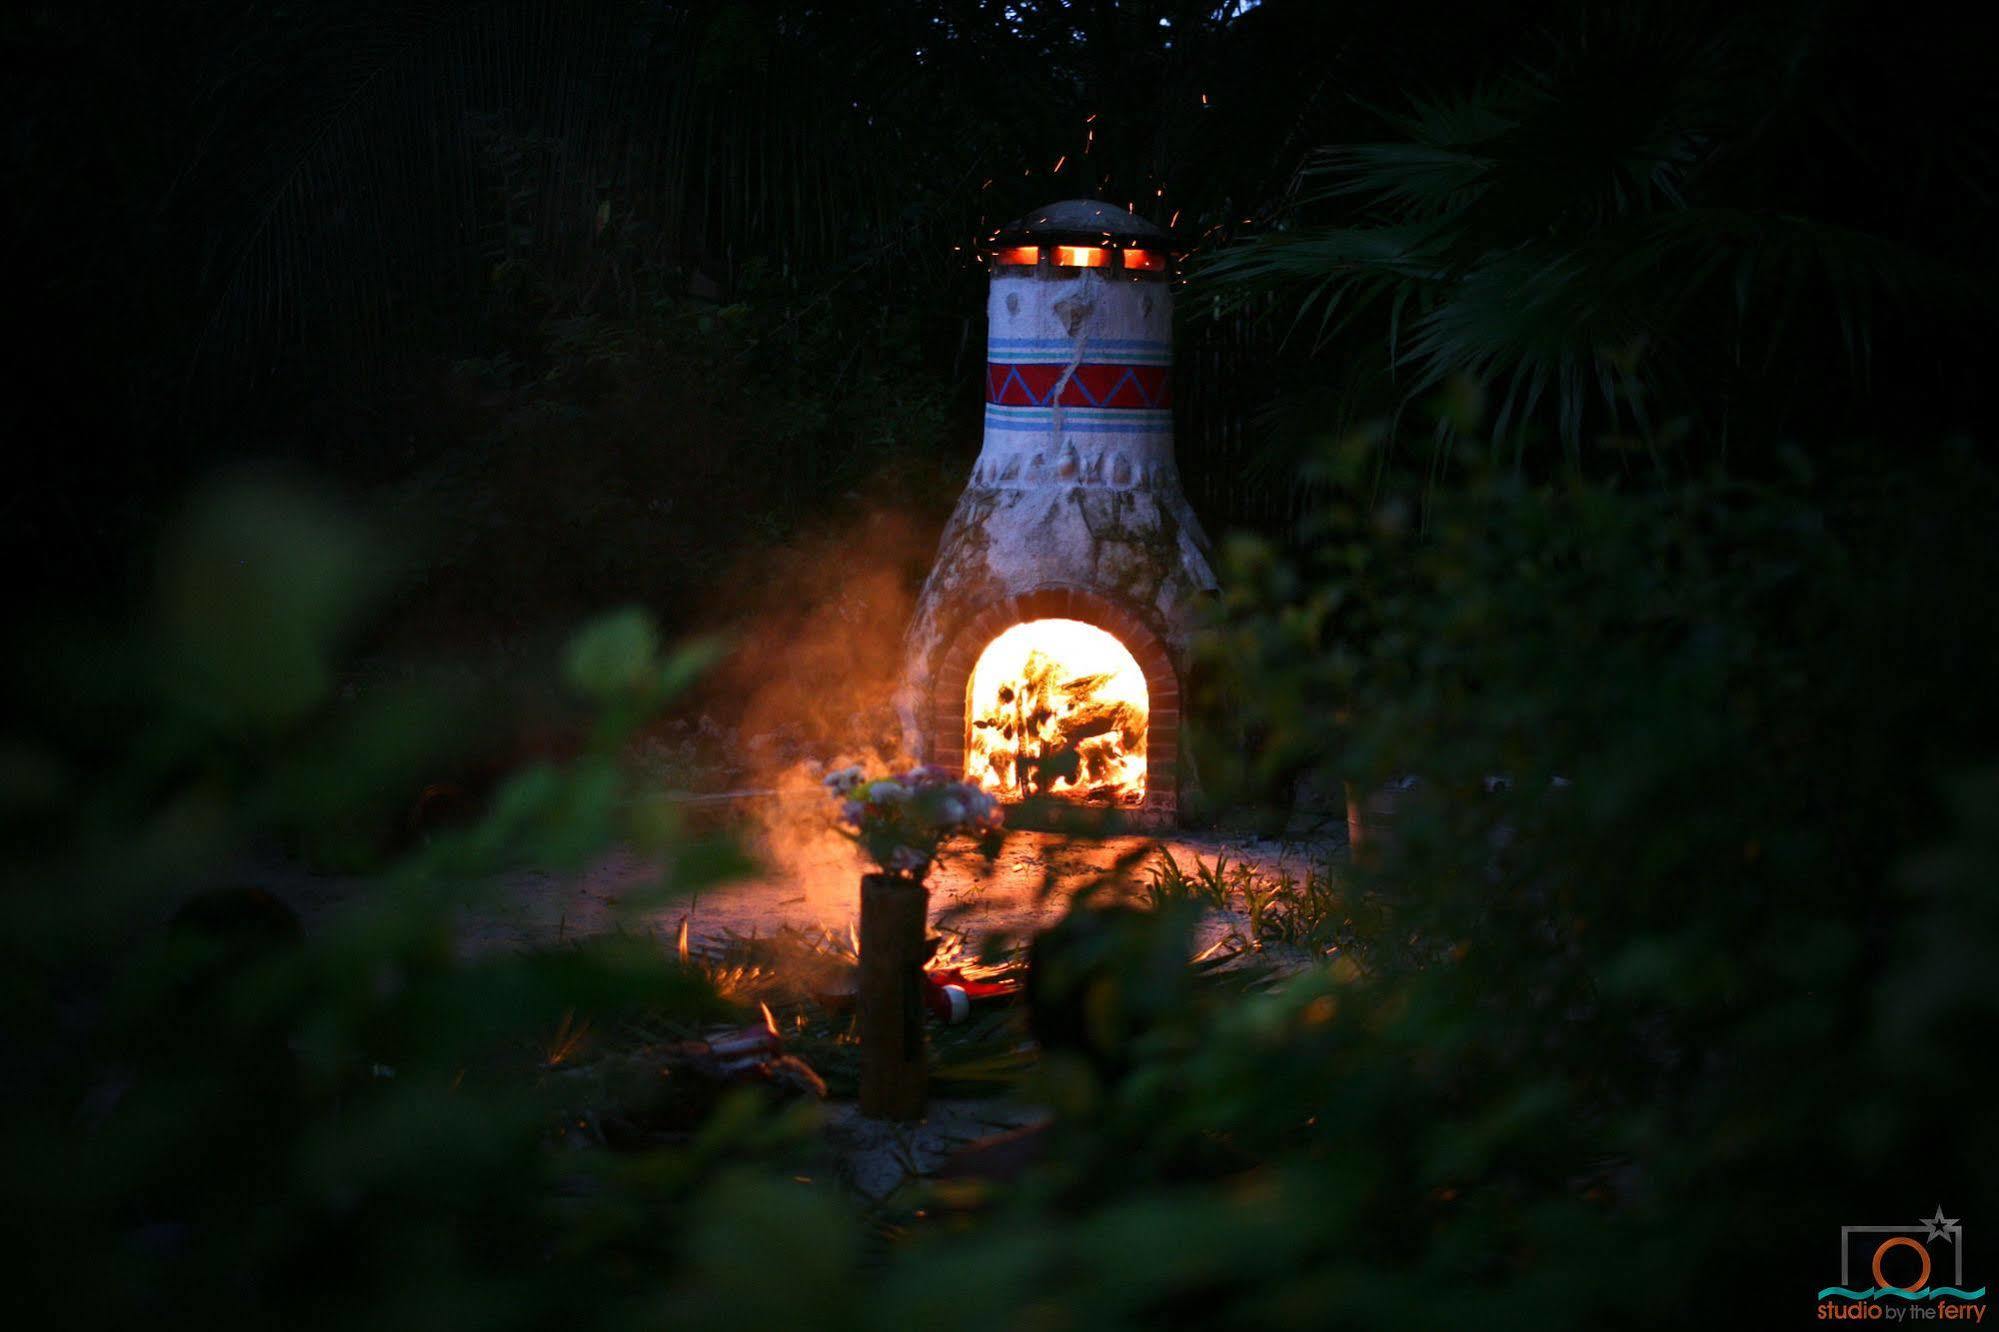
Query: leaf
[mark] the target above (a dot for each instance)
(259, 581)
(614, 655)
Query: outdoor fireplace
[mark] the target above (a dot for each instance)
(1049, 645)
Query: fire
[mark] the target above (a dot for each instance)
(1058, 707)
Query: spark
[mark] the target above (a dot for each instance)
(569, 1039)
(1058, 164)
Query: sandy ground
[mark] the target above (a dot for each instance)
(811, 879)
(814, 882)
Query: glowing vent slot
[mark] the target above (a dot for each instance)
(1018, 256)
(1082, 256)
(1144, 261)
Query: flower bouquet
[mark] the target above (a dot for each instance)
(901, 820)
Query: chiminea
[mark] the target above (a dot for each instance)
(1050, 641)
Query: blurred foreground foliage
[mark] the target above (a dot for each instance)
(1672, 952)
(216, 1119)
(1677, 953)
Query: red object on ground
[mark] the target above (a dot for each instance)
(949, 995)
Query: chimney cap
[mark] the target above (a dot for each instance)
(1084, 220)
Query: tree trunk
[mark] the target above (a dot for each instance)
(894, 1074)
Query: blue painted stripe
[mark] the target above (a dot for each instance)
(1075, 422)
(1011, 409)
(1101, 342)
(1071, 429)
(998, 356)
(1001, 348)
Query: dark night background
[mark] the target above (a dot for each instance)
(1583, 390)
(653, 283)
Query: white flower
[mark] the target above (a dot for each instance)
(845, 780)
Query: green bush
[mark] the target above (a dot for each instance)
(215, 1118)
(1674, 963)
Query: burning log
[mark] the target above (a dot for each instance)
(1069, 720)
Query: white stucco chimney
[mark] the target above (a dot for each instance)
(1074, 509)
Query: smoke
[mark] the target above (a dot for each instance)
(820, 638)
(818, 626)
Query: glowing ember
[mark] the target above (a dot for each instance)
(1058, 708)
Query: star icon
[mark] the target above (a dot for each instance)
(1936, 1227)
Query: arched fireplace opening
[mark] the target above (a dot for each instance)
(1087, 690)
(1057, 708)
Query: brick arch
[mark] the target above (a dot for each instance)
(951, 683)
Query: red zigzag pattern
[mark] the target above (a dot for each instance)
(1088, 386)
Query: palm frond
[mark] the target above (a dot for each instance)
(1566, 238)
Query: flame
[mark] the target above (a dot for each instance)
(1081, 256)
(1057, 707)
